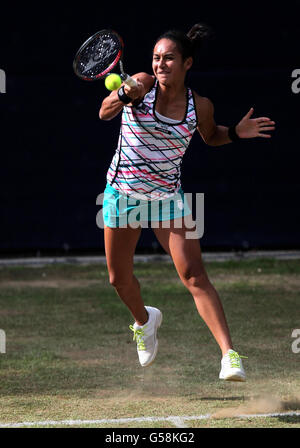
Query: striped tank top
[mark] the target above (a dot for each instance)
(147, 161)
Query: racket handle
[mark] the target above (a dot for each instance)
(131, 82)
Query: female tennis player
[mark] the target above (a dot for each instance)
(159, 117)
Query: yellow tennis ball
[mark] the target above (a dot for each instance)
(113, 81)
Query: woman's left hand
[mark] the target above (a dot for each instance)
(254, 127)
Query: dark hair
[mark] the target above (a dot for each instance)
(188, 43)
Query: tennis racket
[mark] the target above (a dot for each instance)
(98, 56)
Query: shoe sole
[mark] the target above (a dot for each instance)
(156, 345)
(233, 378)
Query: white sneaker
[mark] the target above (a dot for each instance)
(145, 336)
(232, 367)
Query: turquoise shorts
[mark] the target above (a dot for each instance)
(121, 210)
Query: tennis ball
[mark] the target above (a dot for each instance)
(113, 81)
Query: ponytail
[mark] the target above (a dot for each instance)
(198, 34)
(189, 43)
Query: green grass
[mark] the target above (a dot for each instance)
(70, 355)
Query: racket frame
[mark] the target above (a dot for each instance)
(118, 59)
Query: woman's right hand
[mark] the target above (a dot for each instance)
(111, 105)
(135, 92)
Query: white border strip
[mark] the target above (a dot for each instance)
(207, 256)
(177, 421)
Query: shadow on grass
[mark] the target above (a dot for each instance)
(293, 419)
(241, 398)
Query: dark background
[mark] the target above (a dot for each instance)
(55, 151)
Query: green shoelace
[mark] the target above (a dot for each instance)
(138, 336)
(235, 359)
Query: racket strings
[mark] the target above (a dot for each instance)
(99, 55)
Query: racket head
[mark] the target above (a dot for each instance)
(98, 55)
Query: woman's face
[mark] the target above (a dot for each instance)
(167, 63)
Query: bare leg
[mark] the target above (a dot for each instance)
(187, 258)
(120, 244)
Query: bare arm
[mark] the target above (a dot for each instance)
(211, 133)
(111, 105)
(216, 135)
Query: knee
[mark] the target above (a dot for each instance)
(195, 278)
(119, 281)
